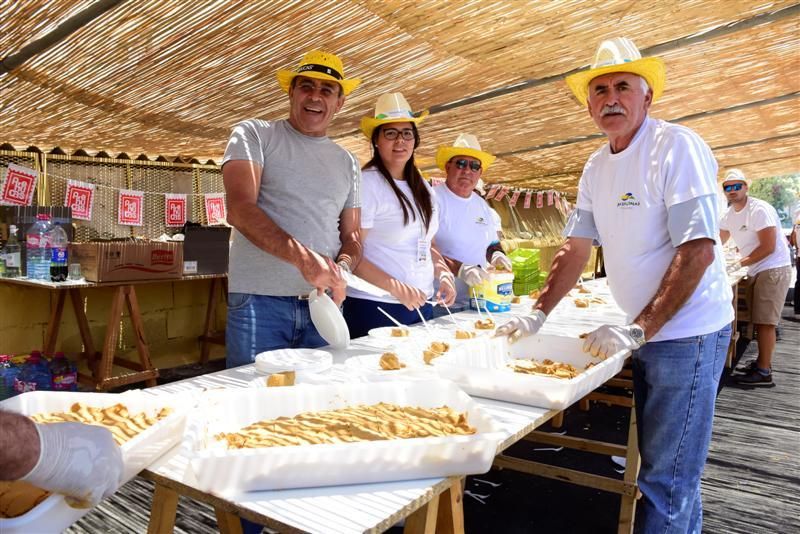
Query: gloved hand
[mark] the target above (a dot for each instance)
(522, 326)
(472, 275)
(501, 261)
(79, 461)
(447, 288)
(608, 340)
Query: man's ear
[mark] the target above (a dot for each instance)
(340, 102)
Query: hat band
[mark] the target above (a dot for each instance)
(319, 68)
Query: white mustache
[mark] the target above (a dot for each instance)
(616, 108)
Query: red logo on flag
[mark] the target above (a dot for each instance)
(501, 193)
(514, 197)
(18, 186)
(539, 199)
(130, 207)
(176, 210)
(215, 208)
(528, 196)
(80, 197)
(549, 198)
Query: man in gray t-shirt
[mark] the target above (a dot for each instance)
(293, 200)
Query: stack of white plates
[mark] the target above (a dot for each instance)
(301, 361)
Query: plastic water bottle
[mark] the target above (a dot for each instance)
(8, 372)
(34, 376)
(38, 248)
(65, 377)
(13, 254)
(57, 238)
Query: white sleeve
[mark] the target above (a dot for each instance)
(761, 218)
(689, 167)
(693, 219)
(370, 200)
(498, 222)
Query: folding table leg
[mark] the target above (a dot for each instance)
(227, 522)
(162, 513)
(423, 521)
(627, 508)
(54, 324)
(450, 518)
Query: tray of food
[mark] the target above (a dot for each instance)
(144, 426)
(543, 370)
(279, 438)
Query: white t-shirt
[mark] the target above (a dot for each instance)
(629, 195)
(467, 226)
(744, 226)
(390, 245)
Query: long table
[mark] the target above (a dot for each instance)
(427, 505)
(101, 362)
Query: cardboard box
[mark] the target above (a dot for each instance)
(121, 261)
(206, 249)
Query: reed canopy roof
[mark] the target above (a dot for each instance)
(155, 77)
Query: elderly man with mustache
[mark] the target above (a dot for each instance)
(649, 197)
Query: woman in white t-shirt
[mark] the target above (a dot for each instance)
(399, 218)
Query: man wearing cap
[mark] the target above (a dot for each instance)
(468, 235)
(756, 230)
(293, 200)
(649, 197)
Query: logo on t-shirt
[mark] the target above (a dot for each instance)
(627, 201)
(480, 220)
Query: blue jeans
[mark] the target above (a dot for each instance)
(362, 315)
(675, 386)
(257, 323)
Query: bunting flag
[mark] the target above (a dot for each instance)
(528, 196)
(550, 198)
(501, 193)
(435, 182)
(18, 186)
(514, 197)
(492, 192)
(215, 208)
(174, 209)
(539, 199)
(80, 197)
(130, 207)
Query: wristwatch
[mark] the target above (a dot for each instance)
(345, 266)
(637, 334)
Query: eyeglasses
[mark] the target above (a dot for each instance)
(732, 187)
(392, 133)
(462, 164)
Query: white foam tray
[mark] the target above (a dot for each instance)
(54, 514)
(221, 471)
(481, 369)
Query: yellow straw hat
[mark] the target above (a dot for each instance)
(322, 66)
(736, 175)
(465, 145)
(391, 107)
(619, 55)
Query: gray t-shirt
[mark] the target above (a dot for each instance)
(306, 182)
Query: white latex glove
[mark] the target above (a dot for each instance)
(472, 275)
(522, 326)
(79, 461)
(608, 340)
(447, 288)
(501, 261)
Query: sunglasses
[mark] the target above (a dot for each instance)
(732, 187)
(393, 133)
(462, 164)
